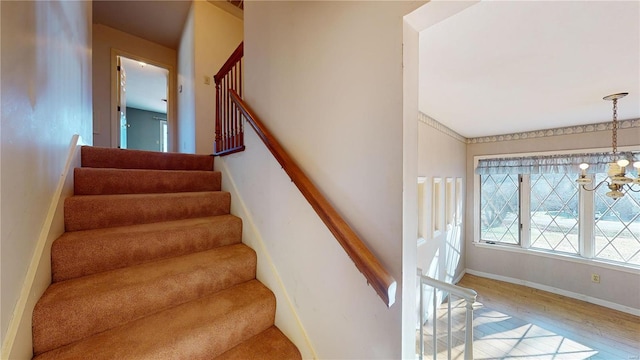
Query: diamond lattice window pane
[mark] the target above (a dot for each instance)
(617, 226)
(499, 209)
(554, 213)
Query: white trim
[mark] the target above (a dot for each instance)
(573, 295)
(18, 339)
(437, 207)
(570, 130)
(263, 254)
(525, 208)
(449, 203)
(459, 277)
(435, 124)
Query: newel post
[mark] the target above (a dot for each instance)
(218, 136)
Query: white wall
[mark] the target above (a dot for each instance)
(105, 39)
(217, 35)
(618, 287)
(443, 156)
(409, 187)
(326, 78)
(46, 99)
(186, 124)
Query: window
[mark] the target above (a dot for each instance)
(499, 209)
(535, 203)
(554, 212)
(617, 226)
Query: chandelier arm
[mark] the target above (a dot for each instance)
(584, 187)
(630, 187)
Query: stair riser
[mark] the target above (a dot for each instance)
(84, 253)
(201, 329)
(90, 181)
(134, 159)
(67, 313)
(270, 344)
(104, 211)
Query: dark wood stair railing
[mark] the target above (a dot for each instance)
(229, 126)
(368, 264)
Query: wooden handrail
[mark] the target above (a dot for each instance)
(368, 264)
(231, 61)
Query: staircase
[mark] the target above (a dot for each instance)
(151, 266)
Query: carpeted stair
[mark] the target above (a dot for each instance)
(151, 266)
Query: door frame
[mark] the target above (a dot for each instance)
(171, 97)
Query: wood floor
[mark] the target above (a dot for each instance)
(518, 322)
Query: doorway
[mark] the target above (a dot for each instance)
(142, 104)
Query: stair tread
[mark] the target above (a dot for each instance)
(93, 156)
(270, 344)
(100, 181)
(130, 209)
(86, 252)
(200, 329)
(73, 309)
(152, 267)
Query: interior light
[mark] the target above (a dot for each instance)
(617, 180)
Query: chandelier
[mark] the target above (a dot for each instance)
(617, 181)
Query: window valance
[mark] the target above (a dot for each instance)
(555, 164)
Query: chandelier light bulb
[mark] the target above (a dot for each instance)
(636, 164)
(623, 163)
(583, 168)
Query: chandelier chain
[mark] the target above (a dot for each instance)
(614, 137)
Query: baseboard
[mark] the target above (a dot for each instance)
(457, 279)
(287, 318)
(589, 299)
(18, 340)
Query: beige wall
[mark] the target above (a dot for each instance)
(208, 39)
(105, 39)
(217, 35)
(186, 125)
(46, 99)
(326, 77)
(618, 287)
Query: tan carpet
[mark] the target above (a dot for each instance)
(152, 267)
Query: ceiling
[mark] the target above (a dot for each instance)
(500, 67)
(146, 86)
(157, 21)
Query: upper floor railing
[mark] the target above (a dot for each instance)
(469, 297)
(229, 126)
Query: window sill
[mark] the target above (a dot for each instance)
(563, 257)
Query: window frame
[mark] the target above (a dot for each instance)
(586, 218)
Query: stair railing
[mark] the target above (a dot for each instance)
(229, 136)
(469, 297)
(368, 264)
